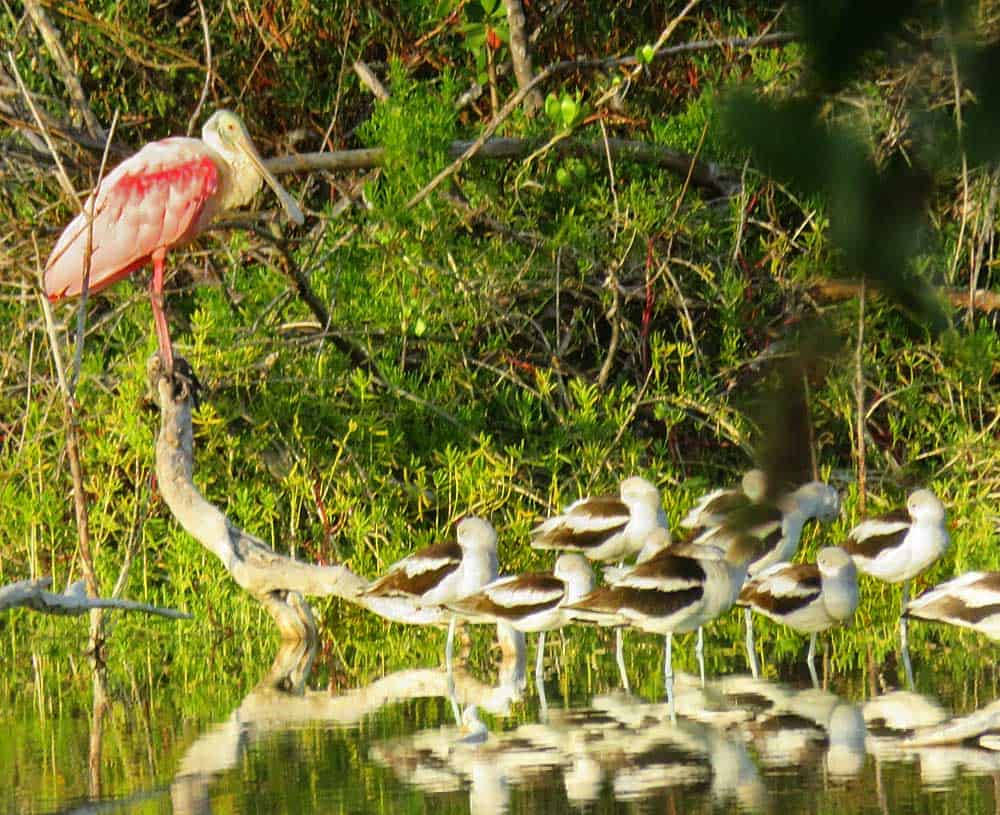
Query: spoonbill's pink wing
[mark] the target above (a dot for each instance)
(155, 199)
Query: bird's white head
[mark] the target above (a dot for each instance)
(925, 507)
(754, 485)
(225, 133)
(638, 492)
(833, 561)
(476, 533)
(574, 569)
(818, 500)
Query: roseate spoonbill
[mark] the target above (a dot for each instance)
(160, 198)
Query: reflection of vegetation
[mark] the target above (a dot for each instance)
(493, 322)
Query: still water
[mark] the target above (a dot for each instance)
(394, 745)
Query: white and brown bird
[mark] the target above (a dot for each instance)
(605, 527)
(971, 600)
(417, 588)
(778, 525)
(675, 591)
(899, 546)
(809, 597)
(531, 602)
(713, 508)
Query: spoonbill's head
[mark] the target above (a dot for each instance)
(225, 133)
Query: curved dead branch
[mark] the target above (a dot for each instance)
(277, 581)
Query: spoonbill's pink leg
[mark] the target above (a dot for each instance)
(159, 318)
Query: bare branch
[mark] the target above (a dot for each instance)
(276, 581)
(208, 69)
(519, 53)
(707, 175)
(837, 290)
(51, 37)
(370, 81)
(32, 594)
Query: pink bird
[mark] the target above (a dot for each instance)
(159, 198)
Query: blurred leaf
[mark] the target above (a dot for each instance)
(839, 34)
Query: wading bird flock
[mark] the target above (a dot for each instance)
(737, 551)
(739, 542)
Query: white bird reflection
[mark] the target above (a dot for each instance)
(729, 738)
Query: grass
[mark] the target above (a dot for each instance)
(488, 333)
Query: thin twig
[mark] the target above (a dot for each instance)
(614, 317)
(859, 395)
(370, 81)
(51, 37)
(61, 175)
(341, 73)
(81, 309)
(73, 454)
(208, 69)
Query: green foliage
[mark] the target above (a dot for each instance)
(415, 127)
(536, 330)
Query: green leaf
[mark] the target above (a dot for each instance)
(552, 107)
(570, 110)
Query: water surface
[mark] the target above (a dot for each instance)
(299, 742)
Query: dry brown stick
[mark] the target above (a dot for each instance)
(859, 396)
(51, 37)
(69, 402)
(208, 69)
(520, 55)
(364, 159)
(837, 290)
(76, 470)
(370, 81)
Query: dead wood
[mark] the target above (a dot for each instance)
(277, 581)
(33, 594)
(838, 290)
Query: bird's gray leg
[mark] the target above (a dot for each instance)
(809, 659)
(904, 641)
(449, 649)
(699, 652)
(159, 318)
(751, 648)
(543, 704)
(540, 662)
(620, 659)
(668, 674)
